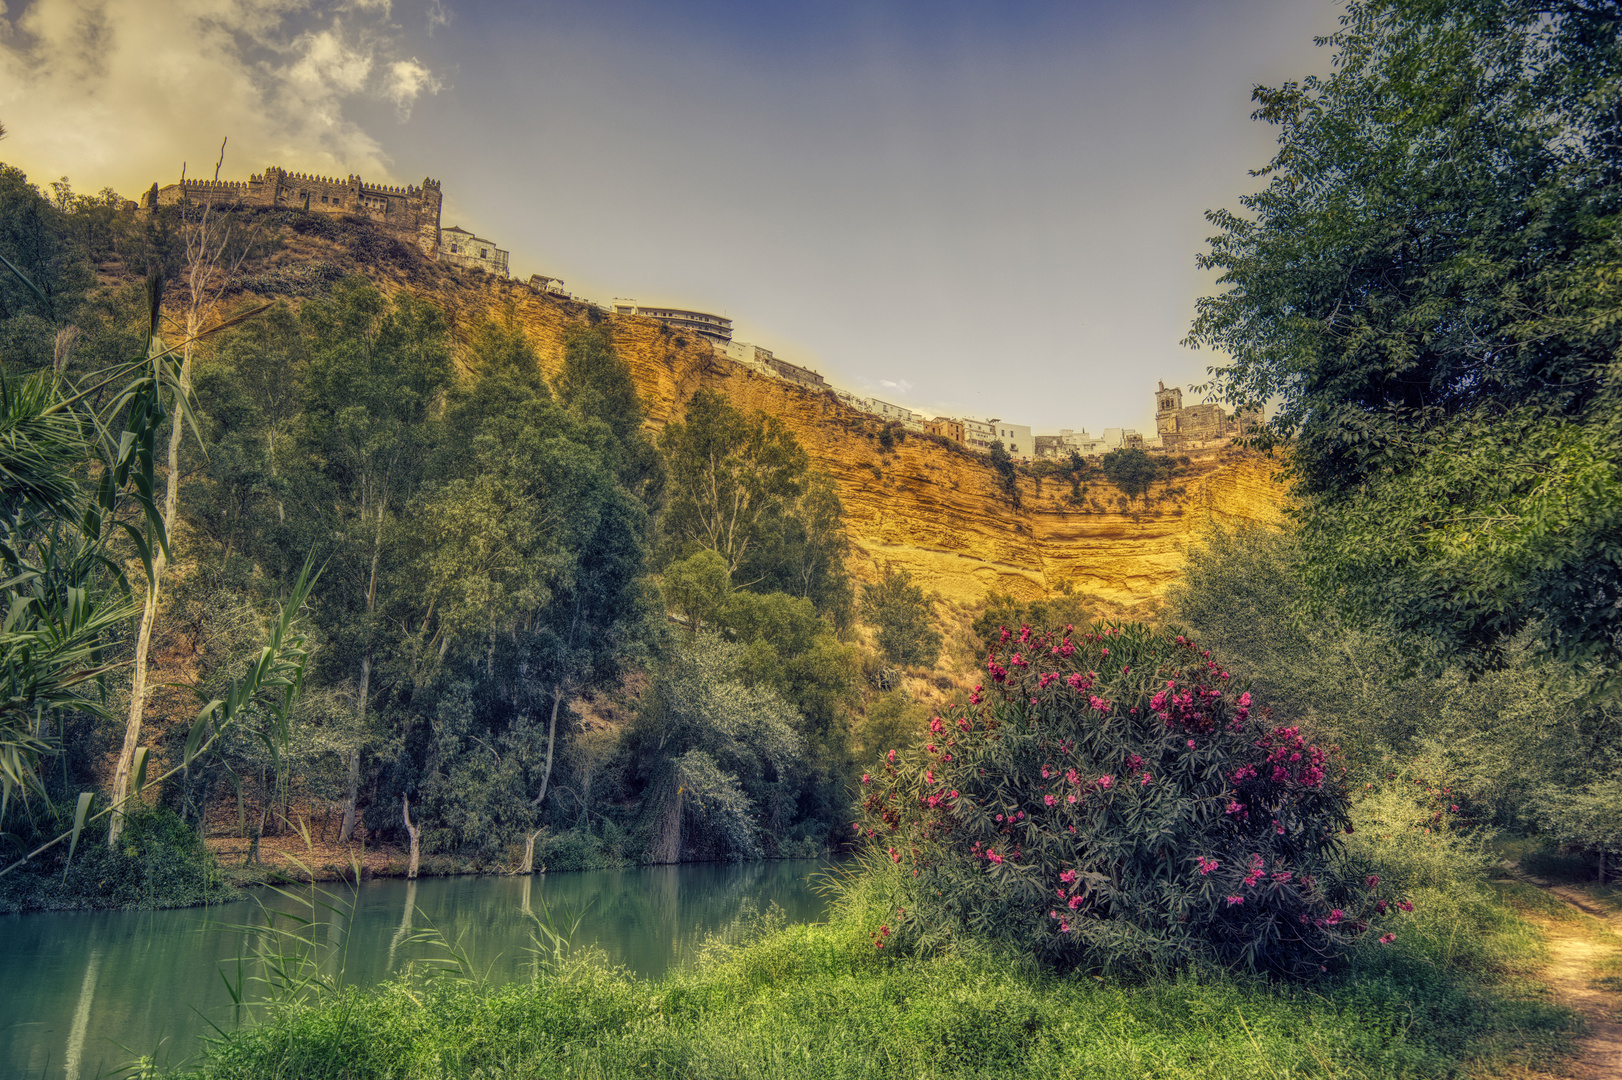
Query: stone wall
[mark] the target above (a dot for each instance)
(411, 213)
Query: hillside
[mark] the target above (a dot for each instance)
(935, 511)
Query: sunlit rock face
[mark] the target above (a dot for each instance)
(928, 508)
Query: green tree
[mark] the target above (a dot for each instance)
(1132, 470)
(1427, 290)
(378, 371)
(900, 611)
(802, 551)
(732, 474)
(715, 751)
(532, 538)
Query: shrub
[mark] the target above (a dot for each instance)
(159, 862)
(1114, 802)
(900, 610)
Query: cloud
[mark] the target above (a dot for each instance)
(121, 92)
(438, 15)
(901, 385)
(407, 80)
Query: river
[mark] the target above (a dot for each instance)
(83, 993)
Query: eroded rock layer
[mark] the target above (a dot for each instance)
(934, 510)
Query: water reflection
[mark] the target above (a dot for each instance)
(77, 989)
(81, 1017)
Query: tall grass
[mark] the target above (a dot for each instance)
(818, 1001)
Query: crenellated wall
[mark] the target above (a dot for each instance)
(410, 212)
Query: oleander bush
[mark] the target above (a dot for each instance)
(1115, 802)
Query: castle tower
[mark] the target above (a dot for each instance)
(1168, 400)
(427, 205)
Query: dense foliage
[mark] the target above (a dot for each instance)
(1523, 747)
(900, 610)
(1426, 288)
(488, 537)
(1114, 802)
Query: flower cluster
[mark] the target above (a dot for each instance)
(1114, 800)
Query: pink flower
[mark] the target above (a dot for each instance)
(1071, 799)
(963, 721)
(1235, 900)
(1075, 902)
(1207, 865)
(1064, 927)
(1386, 939)
(1073, 776)
(1068, 876)
(936, 727)
(866, 779)
(1104, 653)
(1045, 772)
(1106, 780)
(1049, 799)
(890, 757)
(1373, 880)
(993, 856)
(895, 856)
(1191, 744)
(1335, 916)
(1405, 905)
(1147, 778)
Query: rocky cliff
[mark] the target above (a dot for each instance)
(932, 509)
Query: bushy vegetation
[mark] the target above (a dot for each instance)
(1112, 803)
(900, 610)
(1522, 746)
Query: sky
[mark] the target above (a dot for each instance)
(982, 208)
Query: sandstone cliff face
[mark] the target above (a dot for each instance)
(937, 512)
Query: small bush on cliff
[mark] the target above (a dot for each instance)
(1114, 803)
(900, 610)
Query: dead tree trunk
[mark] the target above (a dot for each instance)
(415, 831)
(528, 865)
(551, 742)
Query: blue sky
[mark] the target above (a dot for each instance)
(971, 208)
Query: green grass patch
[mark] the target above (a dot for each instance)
(1446, 1000)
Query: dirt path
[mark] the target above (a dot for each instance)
(1577, 946)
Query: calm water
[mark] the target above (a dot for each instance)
(81, 993)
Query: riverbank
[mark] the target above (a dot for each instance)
(1456, 994)
(162, 864)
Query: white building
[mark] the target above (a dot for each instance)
(750, 356)
(1015, 438)
(887, 411)
(717, 328)
(461, 248)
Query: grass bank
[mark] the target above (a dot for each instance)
(1450, 998)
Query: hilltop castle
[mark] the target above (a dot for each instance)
(410, 213)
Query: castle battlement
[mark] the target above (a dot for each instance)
(411, 212)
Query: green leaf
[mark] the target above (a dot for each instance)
(79, 812)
